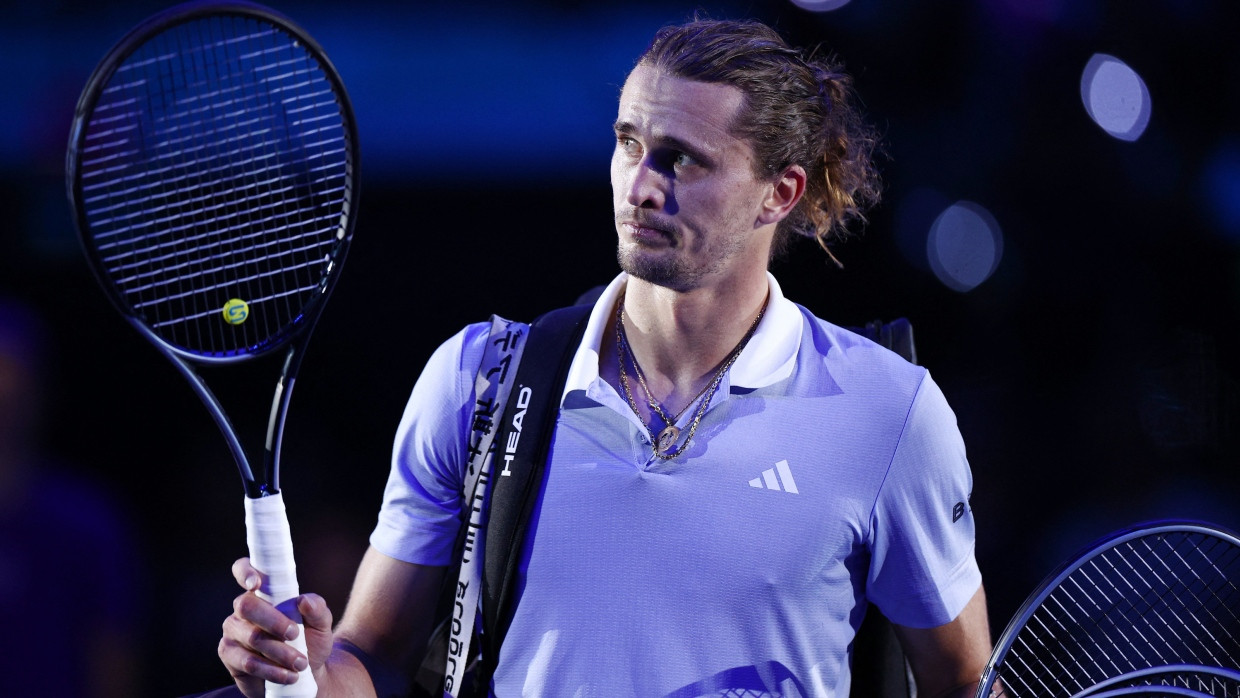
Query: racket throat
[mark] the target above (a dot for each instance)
(273, 421)
(271, 447)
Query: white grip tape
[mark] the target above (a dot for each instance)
(271, 553)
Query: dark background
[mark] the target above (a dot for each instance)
(1094, 374)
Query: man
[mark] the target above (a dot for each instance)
(731, 478)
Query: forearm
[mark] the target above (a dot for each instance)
(379, 640)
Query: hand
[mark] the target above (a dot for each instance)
(253, 646)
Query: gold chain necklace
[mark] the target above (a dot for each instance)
(670, 434)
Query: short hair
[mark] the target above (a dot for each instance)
(798, 110)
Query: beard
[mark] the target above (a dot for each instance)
(684, 263)
(674, 267)
(659, 265)
(667, 269)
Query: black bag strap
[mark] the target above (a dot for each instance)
(896, 335)
(521, 454)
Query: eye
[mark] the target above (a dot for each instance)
(627, 144)
(682, 160)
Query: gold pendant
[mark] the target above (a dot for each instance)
(667, 439)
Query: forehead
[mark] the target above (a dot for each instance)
(661, 106)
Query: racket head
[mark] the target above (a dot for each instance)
(213, 175)
(1159, 595)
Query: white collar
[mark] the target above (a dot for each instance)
(767, 359)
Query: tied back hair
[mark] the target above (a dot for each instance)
(798, 109)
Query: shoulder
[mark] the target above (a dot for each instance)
(857, 363)
(463, 349)
(446, 383)
(889, 385)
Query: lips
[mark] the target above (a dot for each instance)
(643, 228)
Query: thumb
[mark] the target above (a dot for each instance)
(317, 620)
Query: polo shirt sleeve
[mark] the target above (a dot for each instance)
(922, 566)
(422, 501)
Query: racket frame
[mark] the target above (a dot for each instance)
(267, 530)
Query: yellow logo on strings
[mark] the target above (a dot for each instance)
(236, 311)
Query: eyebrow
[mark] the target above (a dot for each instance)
(626, 128)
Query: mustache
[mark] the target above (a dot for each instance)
(645, 219)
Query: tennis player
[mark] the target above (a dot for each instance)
(732, 479)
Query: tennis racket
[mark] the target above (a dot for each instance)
(213, 173)
(1151, 610)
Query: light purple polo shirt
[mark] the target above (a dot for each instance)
(827, 471)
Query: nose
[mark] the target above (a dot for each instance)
(647, 187)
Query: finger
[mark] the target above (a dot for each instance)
(317, 618)
(245, 574)
(250, 640)
(250, 670)
(314, 612)
(248, 607)
(232, 658)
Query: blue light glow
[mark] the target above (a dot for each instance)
(436, 98)
(1221, 189)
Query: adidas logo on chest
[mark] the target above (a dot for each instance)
(778, 478)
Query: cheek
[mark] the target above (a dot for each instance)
(742, 199)
(721, 203)
(618, 185)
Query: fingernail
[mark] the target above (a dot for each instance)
(252, 582)
(300, 664)
(291, 633)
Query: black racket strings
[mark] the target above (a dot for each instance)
(216, 169)
(1155, 601)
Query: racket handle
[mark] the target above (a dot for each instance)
(271, 553)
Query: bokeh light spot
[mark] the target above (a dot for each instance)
(820, 5)
(1115, 97)
(964, 246)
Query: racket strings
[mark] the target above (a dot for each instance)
(1153, 601)
(255, 268)
(299, 122)
(260, 268)
(178, 158)
(215, 167)
(173, 260)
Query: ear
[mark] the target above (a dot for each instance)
(785, 194)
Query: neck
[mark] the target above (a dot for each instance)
(681, 339)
